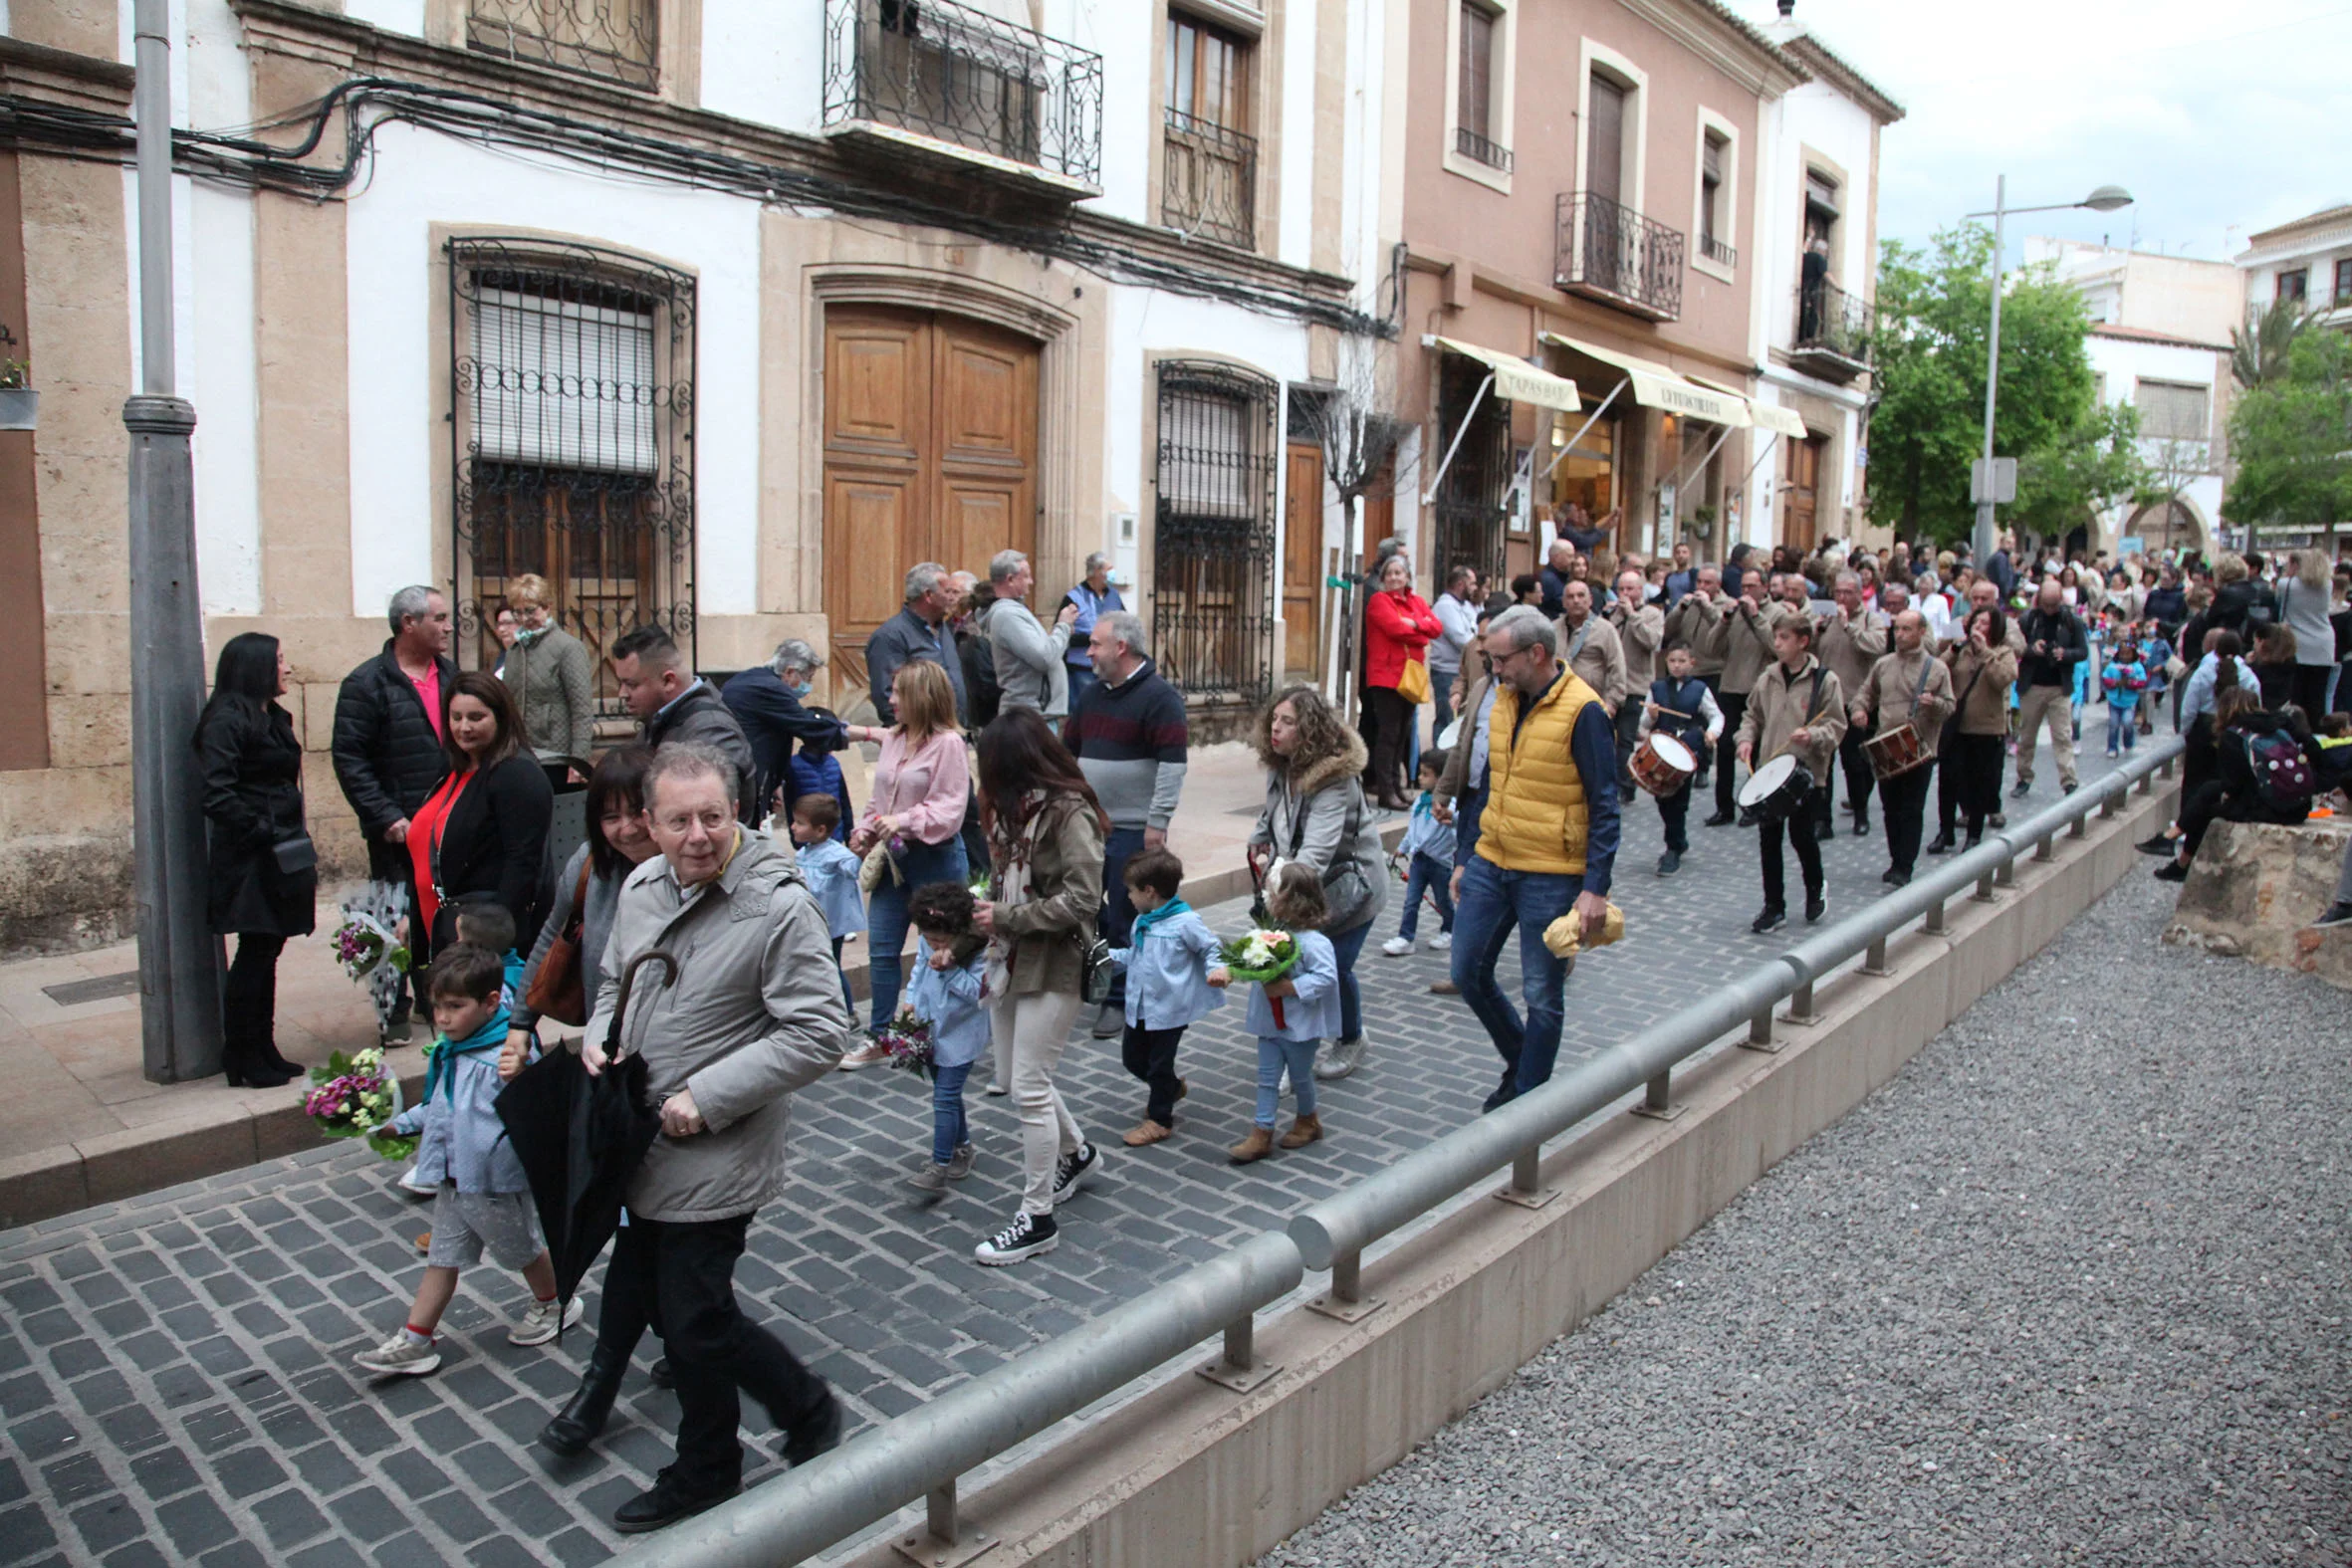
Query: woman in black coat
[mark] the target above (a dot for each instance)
(264, 882)
(482, 834)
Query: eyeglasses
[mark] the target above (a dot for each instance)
(680, 824)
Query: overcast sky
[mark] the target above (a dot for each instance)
(2222, 119)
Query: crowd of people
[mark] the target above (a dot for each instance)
(1026, 771)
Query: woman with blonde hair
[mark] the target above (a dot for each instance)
(551, 674)
(2306, 602)
(922, 781)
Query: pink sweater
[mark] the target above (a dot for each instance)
(926, 787)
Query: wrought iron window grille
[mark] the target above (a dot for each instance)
(1213, 581)
(614, 38)
(1479, 149)
(1717, 252)
(1613, 254)
(572, 441)
(1209, 182)
(962, 77)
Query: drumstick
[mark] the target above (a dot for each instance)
(1677, 713)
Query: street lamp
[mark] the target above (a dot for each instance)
(2106, 198)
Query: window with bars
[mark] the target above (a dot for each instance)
(1212, 599)
(615, 39)
(1476, 134)
(1715, 240)
(1468, 515)
(2344, 281)
(572, 380)
(2173, 410)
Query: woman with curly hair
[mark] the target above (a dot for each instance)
(1315, 812)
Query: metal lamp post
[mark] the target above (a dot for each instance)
(178, 975)
(2105, 198)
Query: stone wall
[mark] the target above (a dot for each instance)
(2253, 890)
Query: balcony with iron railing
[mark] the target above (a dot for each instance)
(1717, 252)
(1611, 253)
(1479, 149)
(614, 38)
(1209, 182)
(956, 88)
(1832, 332)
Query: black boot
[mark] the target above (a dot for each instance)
(575, 1426)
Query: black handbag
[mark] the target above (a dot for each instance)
(294, 855)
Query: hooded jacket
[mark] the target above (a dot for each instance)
(1310, 810)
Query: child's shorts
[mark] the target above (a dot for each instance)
(467, 1223)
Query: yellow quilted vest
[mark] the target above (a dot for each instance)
(1534, 819)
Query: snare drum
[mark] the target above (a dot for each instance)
(1775, 790)
(1894, 751)
(1662, 764)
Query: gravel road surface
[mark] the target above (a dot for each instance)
(2071, 1289)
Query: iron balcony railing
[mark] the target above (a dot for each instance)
(959, 76)
(1611, 253)
(614, 38)
(1479, 149)
(1831, 322)
(1717, 252)
(921, 1454)
(1209, 186)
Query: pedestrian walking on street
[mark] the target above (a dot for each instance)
(2054, 648)
(1797, 710)
(482, 834)
(1849, 640)
(1045, 834)
(672, 703)
(262, 884)
(1288, 1015)
(946, 995)
(1427, 850)
(1740, 637)
(1315, 812)
(1906, 687)
(1983, 664)
(752, 1015)
(1640, 628)
(1546, 844)
(1679, 704)
(1174, 980)
(387, 748)
(551, 676)
(830, 871)
(1129, 733)
(1092, 598)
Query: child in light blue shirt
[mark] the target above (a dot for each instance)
(946, 993)
(1291, 1015)
(830, 871)
(1174, 980)
(1427, 852)
(2124, 678)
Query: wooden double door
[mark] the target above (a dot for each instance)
(930, 454)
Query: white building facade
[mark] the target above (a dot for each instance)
(2308, 261)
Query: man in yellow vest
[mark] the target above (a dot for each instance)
(1547, 841)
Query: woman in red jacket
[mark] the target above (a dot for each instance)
(1398, 626)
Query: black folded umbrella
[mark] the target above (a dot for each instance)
(580, 1139)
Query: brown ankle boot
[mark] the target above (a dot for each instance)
(1254, 1148)
(1303, 1131)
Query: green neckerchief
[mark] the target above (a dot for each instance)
(441, 1056)
(1168, 911)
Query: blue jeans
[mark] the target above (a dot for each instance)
(1273, 1058)
(1493, 903)
(885, 916)
(2122, 724)
(1440, 686)
(1427, 876)
(1347, 947)
(1118, 920)
(948, 1130)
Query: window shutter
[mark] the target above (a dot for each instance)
(563, 384)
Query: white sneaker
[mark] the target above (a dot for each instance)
(410, 1185)
(1443, 942)
(1397, 947)
(872, 1054)
(1338, 1058)
(538, 1322)
(399, 1356)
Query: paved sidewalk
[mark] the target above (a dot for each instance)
(174, 1369)
(2069, 1289)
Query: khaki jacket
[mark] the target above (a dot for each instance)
(1887, 691)
(1600, 662)
(1641, 632)
(1782, 703)
(1850, 647)
(1050, 931)
(1693, 621)
(1742, 640)
(1985, 707)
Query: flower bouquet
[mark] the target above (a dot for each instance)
(1264, 956)
(358, 1097)
(368, 948)
(907, 1039)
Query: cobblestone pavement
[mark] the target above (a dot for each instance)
(174, 1370)
(2069, 1289)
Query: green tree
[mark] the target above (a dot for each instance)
(1929, 421)
(2260, 352)
(2290, 439)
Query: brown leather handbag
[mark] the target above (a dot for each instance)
(558, 990)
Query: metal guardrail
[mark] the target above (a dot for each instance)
(922, 1454)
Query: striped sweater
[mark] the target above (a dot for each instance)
(1129, 738)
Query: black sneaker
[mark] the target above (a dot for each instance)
(1816, 905)
(819, 1433)
(2172, 871)
(1973, 842)
(1824, 831)
(1072, 1170)
(1773, 918)
(2019, 791)
(2159, 845)
(666, 1503)
(1504, 1092)
(1669, 863)
(1026, 1236)
(1942, 845)
(1898, 878)
(1891, 877)
(1861, 824)
(1718, 820)
(2338, 914)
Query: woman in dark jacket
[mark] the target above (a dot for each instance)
(252, 765)
(482, 834)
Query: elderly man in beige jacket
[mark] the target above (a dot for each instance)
(1849, 639)
(1588, 645)
(1640, 626)
(1742, 638)
(1798, 709)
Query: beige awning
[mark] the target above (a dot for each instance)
(1656, 387)
(1768, 416)
(1516, 380)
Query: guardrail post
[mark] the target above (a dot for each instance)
(1657, 1101)
(1760, 1032)
(1984, 893)
(2110, 804)
(1239, 1368)
(1525, 1187)
(1935, 923)
(2005, 874)
(1801, 1006)
(941, 1545)
(1874, 961)
(2165, 768)
(1345, 1301)
(2080, 826)
(2045, 849)
(2147, 782)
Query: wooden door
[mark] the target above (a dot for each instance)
(1302, 561)
(930, 454)
(1604, 166)
(1798, 519)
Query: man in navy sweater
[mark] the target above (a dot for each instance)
(1128, 733)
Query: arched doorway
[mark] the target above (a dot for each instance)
(2169, 524)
